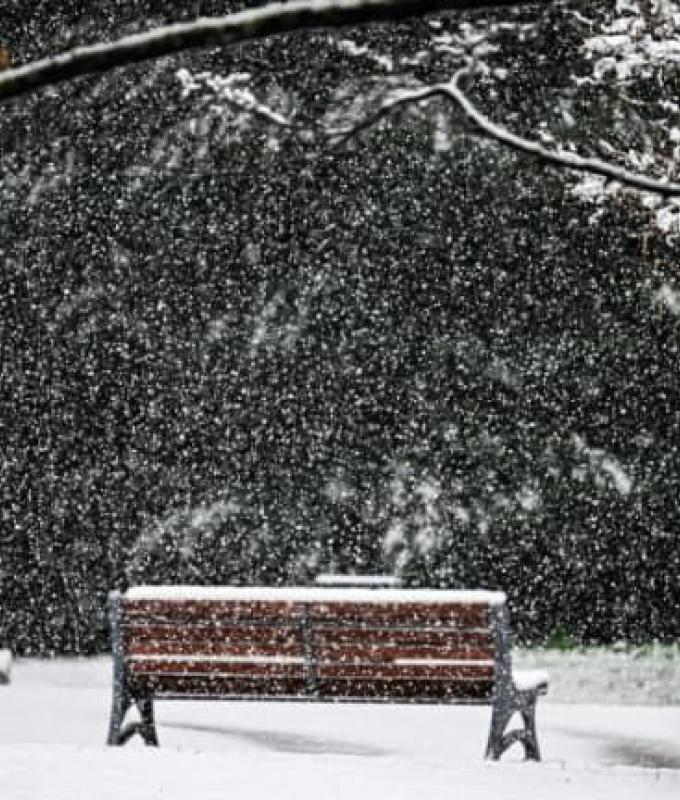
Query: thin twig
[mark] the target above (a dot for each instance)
(242, 100)
(452, 91)
(404, 98)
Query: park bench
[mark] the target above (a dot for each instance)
(318, 644)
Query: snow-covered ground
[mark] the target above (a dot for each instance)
(596, 743)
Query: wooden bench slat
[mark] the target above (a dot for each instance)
(453, 670)
(323, 654)
(198, 632)
(212, 640)
(385, 653)
(473, 619)
(405, 614)
(290, 642)
(408, 672)
(272, 668)
(212, 609)
(214, 648)
(422, 690)
(347, 689)
(219, 686)
(325, 635)
(329, 655)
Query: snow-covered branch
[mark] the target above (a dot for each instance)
(282, 18)
(258, 23)
(451, 91)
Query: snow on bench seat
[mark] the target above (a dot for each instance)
(528, 680)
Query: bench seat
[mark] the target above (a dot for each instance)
(316, 644)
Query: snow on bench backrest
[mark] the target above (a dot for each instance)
(303, 594)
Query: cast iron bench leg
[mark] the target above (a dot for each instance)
(530, 741)
(122, 697)
(501, 713)
(119, 734)
(147, 725)
(119, 708)
(503, 710)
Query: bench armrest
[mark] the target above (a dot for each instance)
(531, 680)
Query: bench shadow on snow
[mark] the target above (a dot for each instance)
(283, 742)
(630, 752)
(653, 755)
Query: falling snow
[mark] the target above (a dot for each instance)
(246, 339)
(247, 342)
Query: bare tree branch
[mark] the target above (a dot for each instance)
(405, 97)
(451, 90)
(230, 30)
(281, 18)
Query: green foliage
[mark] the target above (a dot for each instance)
(561, 639)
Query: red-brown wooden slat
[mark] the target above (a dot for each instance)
(385, 653)
(294, 647)
(358, 614)
(218, 685)
(411, 691)
(221, 686)
(211, 609)
(151, 647)
(407, 672)
(254, 668)
(327, 635)
(413, 614)
(199, 632)
(329, 644)
(212, 640)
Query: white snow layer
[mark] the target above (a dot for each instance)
(53, 720)
(312, 594)
(527, 679)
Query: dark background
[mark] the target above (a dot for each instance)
(232, 356)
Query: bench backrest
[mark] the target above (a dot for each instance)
(340, 644)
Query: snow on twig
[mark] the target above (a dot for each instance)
(451, 90)
(228, 90)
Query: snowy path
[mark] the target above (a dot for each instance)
(53, 722)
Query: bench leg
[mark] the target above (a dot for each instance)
(530, 740)
(147, 725)
(119, 708)
(119, 734)
(501, 714)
